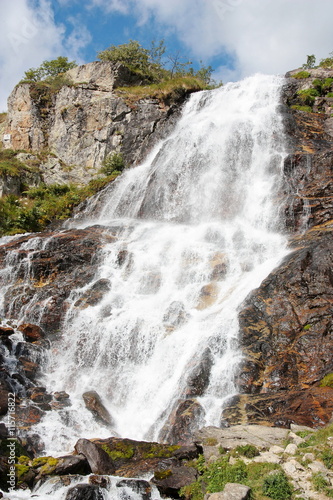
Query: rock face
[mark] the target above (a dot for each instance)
(52, 264)
(286, 324)
(83, 122)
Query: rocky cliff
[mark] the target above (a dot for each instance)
(85, 120)
(286, 329)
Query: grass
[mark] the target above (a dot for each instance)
(301, 75)
(265, 480)
(162, 91)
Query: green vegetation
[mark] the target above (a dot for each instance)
(119, 450)
(308, 96)
(165, 91)
(162, 474)
(247, 450)
(113, 164)
(324, 63)
(276, 486)
(307, 109)
(321, 484)
(154, 65)
(49, 70)
(327, 381)
(3, 117)
(37, 207)
(213, 477)
(301, 74)
(10, 165)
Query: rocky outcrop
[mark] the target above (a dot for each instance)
(53, 264)
(286, 324)
(82, 122)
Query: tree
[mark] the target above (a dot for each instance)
(49, 69)
(310, 62)
(131, 54)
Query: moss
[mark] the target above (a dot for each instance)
(162, 474)
(307, 109)
(302, 74)
(327, 381)
(307, 327)
(159, 451)
(24, 460)
(21, 471)
(210, 441)
(119, 450)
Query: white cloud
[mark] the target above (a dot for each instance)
(269, 36)
(29, 35)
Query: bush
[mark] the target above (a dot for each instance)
(307, 109)
(247, 450)
(276, 486)
(113, 164)
(49, 70)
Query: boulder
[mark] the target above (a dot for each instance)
(84, 492)
(232, 491)
(169, 481)
(31, 332)
(98, 459)
(94, 404)
(139, 486)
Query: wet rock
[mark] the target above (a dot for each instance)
(99, 461)
(60, 396)
(175, 315)
(101, 481)
(198, 380)
(5, 389)
(84, 492)
(31, 332)
(94, 295)
(169, 481)
(72, 464)
(39, 395)
(34, 444)
(28, 416)
(139, 486)
(63, 261)
(94, 404)
(208, 295)
(3, 431)
(185, 417)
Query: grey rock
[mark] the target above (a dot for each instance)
(232, 491)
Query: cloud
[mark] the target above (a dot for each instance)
(30, 35)
(271, 36)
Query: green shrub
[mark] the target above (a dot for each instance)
(327, 62)
(276, 486)
(301, 75)
(308, 95)
(113, 164)
(247, 450)
(330, 94)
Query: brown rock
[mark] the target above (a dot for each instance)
(94, 404)
(31, 332)
(169, 481)
(28, 416)
(184, 418)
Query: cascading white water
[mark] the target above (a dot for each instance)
(197, 229)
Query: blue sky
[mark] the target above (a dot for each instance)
(236, 37)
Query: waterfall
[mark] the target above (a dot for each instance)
(197, 228)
